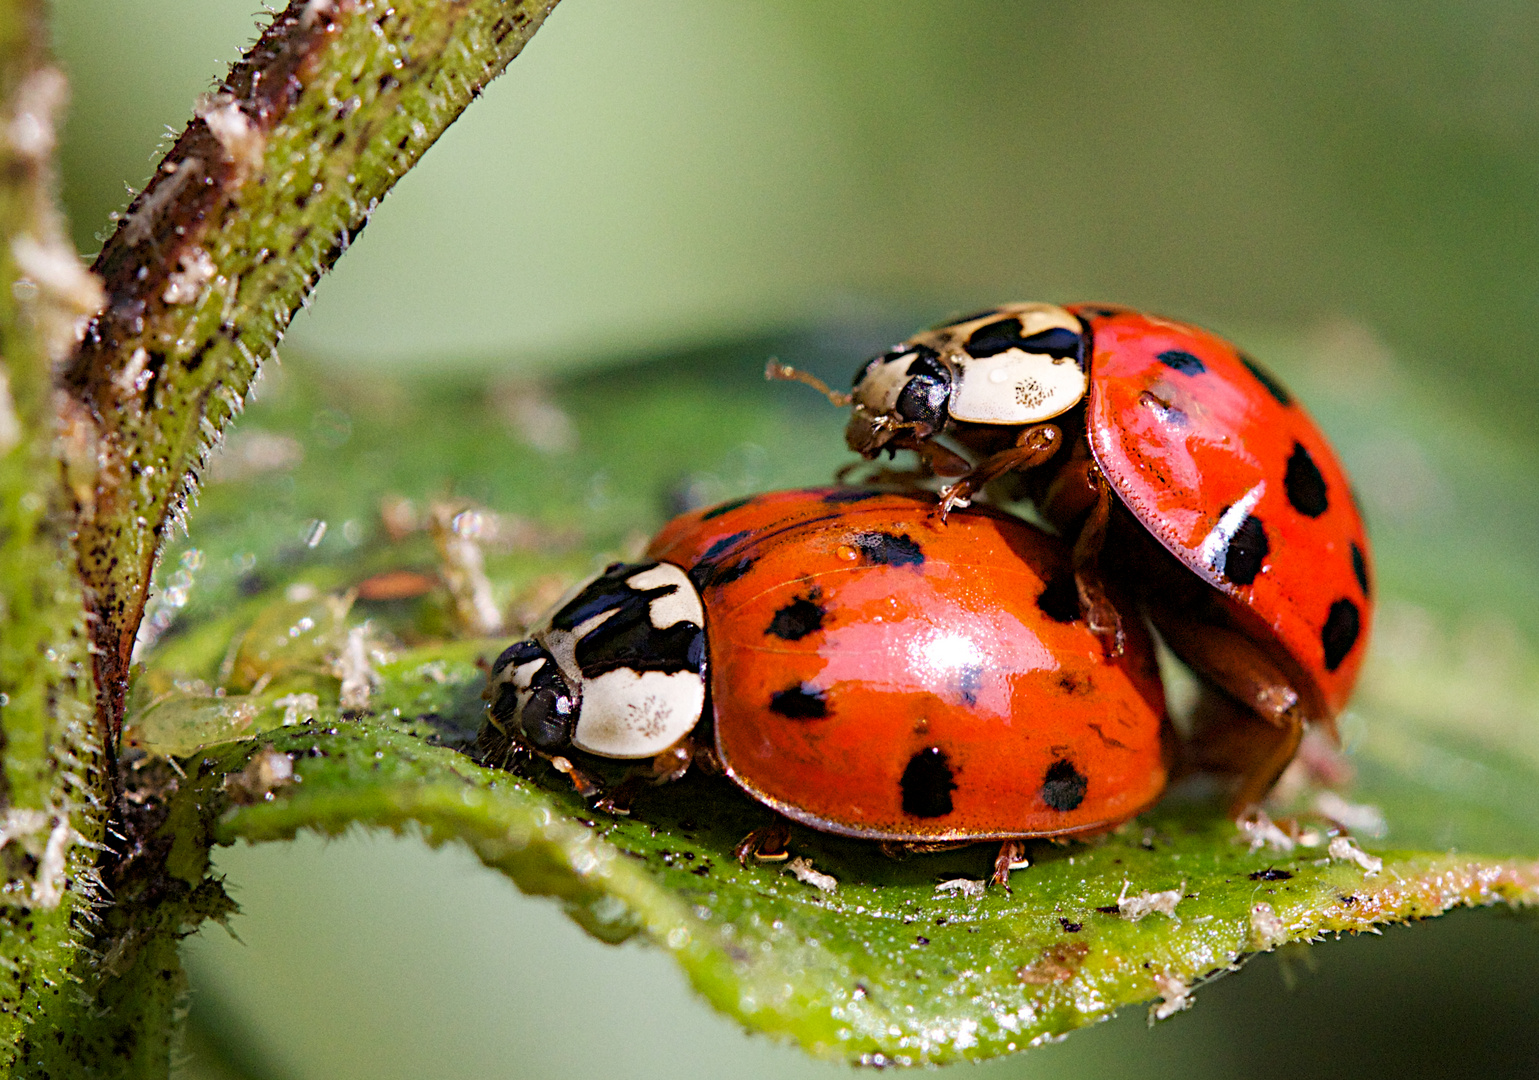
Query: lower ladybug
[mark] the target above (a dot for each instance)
(1199, 477)
(854, 664)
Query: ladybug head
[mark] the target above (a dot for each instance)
(530, 699)
(1012, 365)
(900, 399)
(617, 670)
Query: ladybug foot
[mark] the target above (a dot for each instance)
(955, 497)
(766, 845)
(1012, 856)
(586, 783)
(618, 799)
(1100, 613)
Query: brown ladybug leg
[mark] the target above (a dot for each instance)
(767, 844)
(1012, 856)
(1231, 739)
(1255, 731)
(618, 799)
(586, 783)
(1100, 613)
(665, 768)
(934, 460)
(1033, 446)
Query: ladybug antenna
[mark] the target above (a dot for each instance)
(785, 372)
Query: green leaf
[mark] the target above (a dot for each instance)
(884, 967)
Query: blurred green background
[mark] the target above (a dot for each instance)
(1353, 180)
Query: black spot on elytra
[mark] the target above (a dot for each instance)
(927, 784)
(710, 571)
(722, 546)
(1060, 600)
(888, 549)
(1278, 391)
(710, 575)
(839, 496)
(1271, 875)
(1340, 634)
(1304, 484)
(1182, 361)
(1063, 788)
(799, 702)
(797, 619)
(1360, 567)
(969, 682)
(1247, 551)
(725, 508)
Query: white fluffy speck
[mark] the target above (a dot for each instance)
(1176, 995)
(1261, 831)
(1344, 850)
(1266, 928)
(1134, 908)
(801, 869)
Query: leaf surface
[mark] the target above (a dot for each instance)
(900, 961)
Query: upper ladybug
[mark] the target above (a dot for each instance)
(854, 664)
(1204, 451)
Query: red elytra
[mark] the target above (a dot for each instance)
(1203, 446)
(878, 673)
(1180, 470)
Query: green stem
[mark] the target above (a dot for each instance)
(51, 784)
(263, 192)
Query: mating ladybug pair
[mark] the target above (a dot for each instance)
(876, 666)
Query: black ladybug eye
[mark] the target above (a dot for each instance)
(925, 394)
(548, 718)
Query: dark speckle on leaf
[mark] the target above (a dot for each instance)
(1271, 874)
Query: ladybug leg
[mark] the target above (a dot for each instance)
(1033, 446)
(767, 844)
(1229, 738)
(1254, 727)
(934, 460)
(586, 783)
(1100, 613)
(665, 768)
(1012, 856)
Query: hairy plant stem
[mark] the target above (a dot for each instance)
(52, 779)
(272, 180)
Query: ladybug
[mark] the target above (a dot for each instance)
(1188, 466)
(854, 664)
